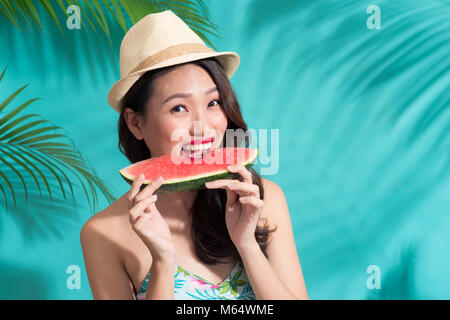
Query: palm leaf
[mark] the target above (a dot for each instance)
(206, 295)
(92, 50)
(29, 147)
(117, 13)
(103, 13)
(8, 11)
(247, 293)
(51, 12)
(30, 10)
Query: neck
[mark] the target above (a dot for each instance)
(174, 208)
(176, 203)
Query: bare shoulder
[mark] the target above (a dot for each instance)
(105, 226)
(274, 201)
(103, 239)
(281, 250)
(99, 220)
(270, 186)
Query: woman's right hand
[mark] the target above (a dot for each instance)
(146, 220)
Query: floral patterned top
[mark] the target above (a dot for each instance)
(189, 286)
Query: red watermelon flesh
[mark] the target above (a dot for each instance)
(182, 174)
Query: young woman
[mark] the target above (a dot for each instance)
(232, 240)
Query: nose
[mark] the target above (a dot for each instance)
(200, 124)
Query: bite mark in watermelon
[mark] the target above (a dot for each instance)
(181, 176)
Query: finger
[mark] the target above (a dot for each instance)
(219, 184)
(253, 201)
(245, 189)
(135, 187)
(220, 181)
(137, 210)
(151, 207)
(241, 188)
(231, 195)
(243, 172)
(231, 198)
(148, 190)
(140, 222)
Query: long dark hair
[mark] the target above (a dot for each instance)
(208, 231)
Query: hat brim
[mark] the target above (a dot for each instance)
(228, 60)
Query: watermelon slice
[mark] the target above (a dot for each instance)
(181, 174)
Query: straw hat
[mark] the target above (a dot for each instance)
(159, 40)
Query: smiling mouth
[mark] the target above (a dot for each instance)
(197, 151)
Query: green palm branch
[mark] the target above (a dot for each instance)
(34, 156)
(96, 14)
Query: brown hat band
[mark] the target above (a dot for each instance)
(170, 52)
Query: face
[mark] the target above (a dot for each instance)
(184, 109)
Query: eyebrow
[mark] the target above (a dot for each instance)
(185, 95)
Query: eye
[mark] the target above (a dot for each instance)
(176, 107)
(218, 101)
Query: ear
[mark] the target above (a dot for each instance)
(134, 122)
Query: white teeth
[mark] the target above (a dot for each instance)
(195, 148)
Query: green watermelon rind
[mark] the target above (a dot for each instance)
(194, 182)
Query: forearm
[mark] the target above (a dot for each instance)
(265, 282)
(162, 281)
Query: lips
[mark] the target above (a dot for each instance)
(198, 148)
(199, 141)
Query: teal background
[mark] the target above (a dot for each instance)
(364, 145)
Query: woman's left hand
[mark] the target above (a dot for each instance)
(243, 207)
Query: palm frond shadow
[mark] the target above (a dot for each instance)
(397, 283)
(19, 283)
(367, 113)
(35, 152)
(412, 48)
(90, 53)
(43, 220)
